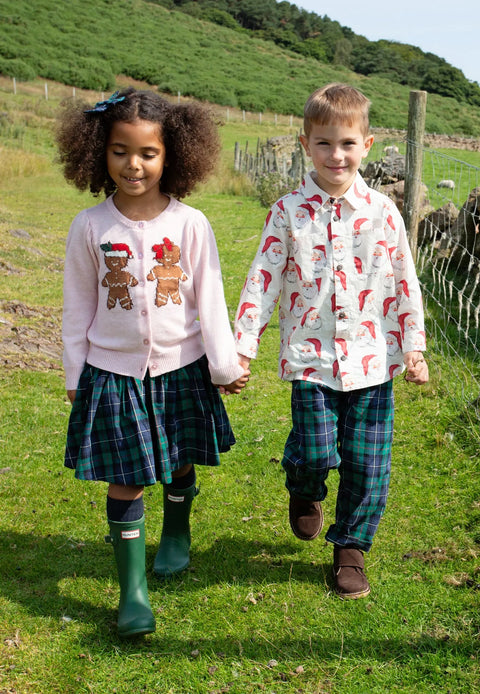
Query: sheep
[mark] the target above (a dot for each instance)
(393, 149)
(447, 183)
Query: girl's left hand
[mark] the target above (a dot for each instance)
(417, 368)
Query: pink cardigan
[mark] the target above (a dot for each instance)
(144, 295)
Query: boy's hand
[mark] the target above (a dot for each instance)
(244, 361)
(417, 368)
(241, 382)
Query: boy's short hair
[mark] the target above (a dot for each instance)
(336, 102)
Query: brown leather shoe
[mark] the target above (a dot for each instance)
(306, 517)
(348, 573)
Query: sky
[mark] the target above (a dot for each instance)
(447, 28)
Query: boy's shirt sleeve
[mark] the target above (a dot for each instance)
(263, 285)
(408, 291)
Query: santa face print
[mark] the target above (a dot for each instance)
(392, 345)
(298, 305)
(398, 260)
(309, 289)
(249, 318)
(301, 217)
(291, 273)
(254, 284)
(379, 256)
(275, 253)
(312, 320)
(357, 238)
(319, 259)
(338, 249)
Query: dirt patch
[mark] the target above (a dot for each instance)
(30, 338)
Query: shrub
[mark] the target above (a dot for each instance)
(272, 186)
(17, 68)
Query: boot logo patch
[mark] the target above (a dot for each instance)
(176, 499)
(130, 534)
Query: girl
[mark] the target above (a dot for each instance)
(145, 325)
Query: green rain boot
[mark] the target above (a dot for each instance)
(173, 554)
(135, 615)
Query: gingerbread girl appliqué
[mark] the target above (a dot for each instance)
(117, 279)
(167, 273)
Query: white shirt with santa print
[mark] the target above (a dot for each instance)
(349, 298)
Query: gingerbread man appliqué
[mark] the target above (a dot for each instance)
(167, 273)
(117, 279)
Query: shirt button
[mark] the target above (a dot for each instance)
(140, 255)
(141, 225)
(342, 315)
(336, 218)
(339, 267)
(144, 313)
(145, 342)
(343, 357)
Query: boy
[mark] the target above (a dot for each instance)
(336, 254)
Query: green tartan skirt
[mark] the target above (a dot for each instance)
(123, 430)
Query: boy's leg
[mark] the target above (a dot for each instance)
(365, 433)
(365, 441)
(310, 452)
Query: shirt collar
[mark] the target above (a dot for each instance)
(357, 196)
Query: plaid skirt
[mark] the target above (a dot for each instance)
(123, 430)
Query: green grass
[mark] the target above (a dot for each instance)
(256, 611)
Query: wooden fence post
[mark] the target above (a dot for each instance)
(413, 166)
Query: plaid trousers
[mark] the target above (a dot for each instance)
(353, 432)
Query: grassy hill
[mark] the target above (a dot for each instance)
(87, 43)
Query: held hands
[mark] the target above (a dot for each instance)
(417, 368)
(241, 382)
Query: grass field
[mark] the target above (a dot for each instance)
(256, 611)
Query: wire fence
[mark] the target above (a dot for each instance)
(448, 259)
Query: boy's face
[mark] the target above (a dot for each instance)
(336, 151)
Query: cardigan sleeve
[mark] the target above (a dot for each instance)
(80, 297)
(212, 309)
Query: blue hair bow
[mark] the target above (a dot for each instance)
(103, 105)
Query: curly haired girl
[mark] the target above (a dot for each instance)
(141, 268)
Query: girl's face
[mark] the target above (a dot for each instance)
(135, 160)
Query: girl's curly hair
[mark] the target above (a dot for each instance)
(189, 133)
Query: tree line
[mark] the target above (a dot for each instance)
(328, 41)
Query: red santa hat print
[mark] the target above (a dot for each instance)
(317, 345)
(116, 250)
(267, 278)
(370, 327)
(386, 304)
(244, 307)
(268, 242)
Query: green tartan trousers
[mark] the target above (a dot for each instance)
(352, 432)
